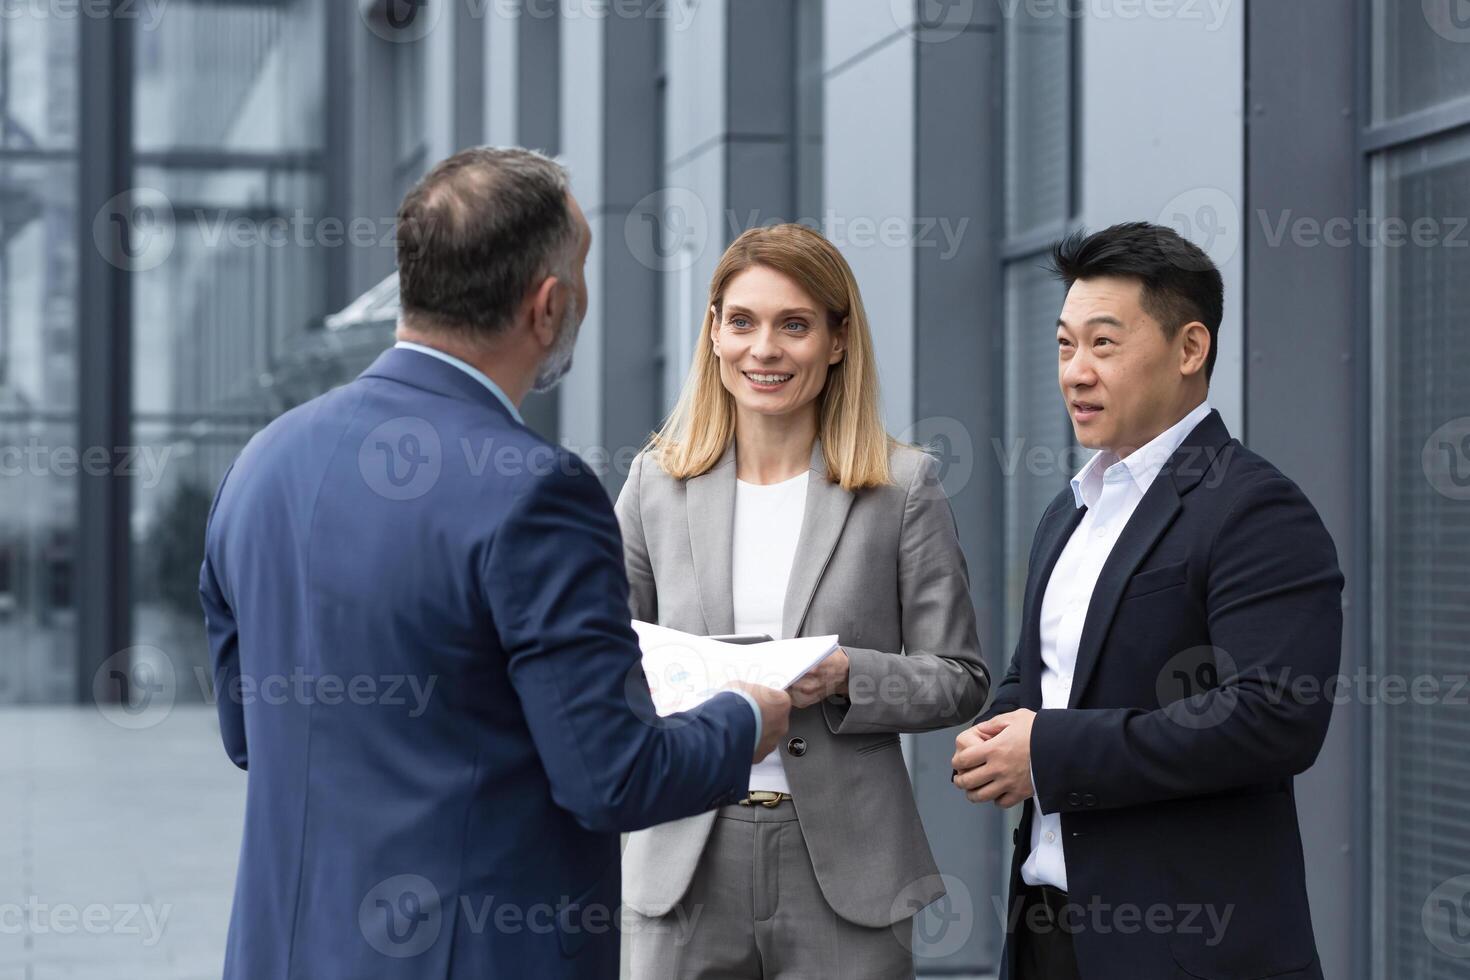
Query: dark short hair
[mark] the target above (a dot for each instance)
(1180, 282)
(475, 234)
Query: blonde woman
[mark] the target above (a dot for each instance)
(773, 502)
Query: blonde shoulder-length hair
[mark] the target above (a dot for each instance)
(849, 424)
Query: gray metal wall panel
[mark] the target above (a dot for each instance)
(957, 387)
(1302, 379)
(869, 177)
(1162, 99)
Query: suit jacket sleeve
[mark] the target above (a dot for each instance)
(1274, 613)
(939, 678)
(224, 641)
(553, 578)
(642, 592)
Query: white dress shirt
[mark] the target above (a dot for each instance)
(1110, 489)
(767, 525)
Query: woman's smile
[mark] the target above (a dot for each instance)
(767, 380)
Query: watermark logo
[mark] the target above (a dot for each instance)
(932, 20)
(667, 231)
(948, 441)
(135, 688)
(1189, 687)
(402, 21)
(134, 230)
(676, 676)
(401, 917)
(1211, 15)
(1208, 217)
(942, 927)
(1446, 459)
(1446, 917)
(401, 459)
(147, 13)
(1450, 19)
(35, 917)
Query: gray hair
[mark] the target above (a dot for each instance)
(480, 230)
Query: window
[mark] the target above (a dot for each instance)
(38, 341)
(1040, 202)
(1419, 58)
(1423, 528)
(229, 132)
(1037, 456)
(1420, 256)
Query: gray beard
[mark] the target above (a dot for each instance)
(559, 361)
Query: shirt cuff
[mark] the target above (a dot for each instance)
(756, 710)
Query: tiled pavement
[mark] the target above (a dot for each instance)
(117, 846)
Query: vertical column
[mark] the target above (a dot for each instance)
(456, 77)
(609, 123)
(729, 160)
(683, 231)
(582, 136)
(502, 64)
(868, 176)
(1183, 165)
(958, 402)
(1306, 377)
(537, 76)
(362, 143)
(534, 105)
(101, 574)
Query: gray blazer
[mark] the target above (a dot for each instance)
(883, 570)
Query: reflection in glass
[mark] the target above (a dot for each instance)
(1038, 91)
(1422, 619)
(1419, 55)
(39, 456)
(1038, 458)
(232, 76)
(227, 328)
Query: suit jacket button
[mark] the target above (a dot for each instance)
(1089, 800)
(797, 746)
(1016, 837)
(1073, 799)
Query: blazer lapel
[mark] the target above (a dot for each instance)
(1155, 512)
(710, 502)
(822, 521)
(1204, 449)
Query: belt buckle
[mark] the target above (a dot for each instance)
(763, 797)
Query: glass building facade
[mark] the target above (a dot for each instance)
(196, 233)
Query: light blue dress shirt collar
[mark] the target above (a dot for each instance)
(1141, 465)
(469, 369)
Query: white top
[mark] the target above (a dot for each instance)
(767, 526)
(1110, 489)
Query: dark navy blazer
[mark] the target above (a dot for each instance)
(422, 656)
(1198, 695)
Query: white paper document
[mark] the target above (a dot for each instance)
(685, 670)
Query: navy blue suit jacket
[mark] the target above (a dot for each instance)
(422, 656)
(1198, 694)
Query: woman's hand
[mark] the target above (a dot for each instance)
(821, 682)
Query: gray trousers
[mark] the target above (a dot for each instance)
(754, 911)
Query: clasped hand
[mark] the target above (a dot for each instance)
(992, 760)
(823, 681)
